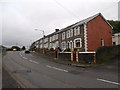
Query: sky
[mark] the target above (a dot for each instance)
(20, 18)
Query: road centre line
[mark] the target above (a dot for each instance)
(20, 54)
(24, 57)
(56, 68)
(103, 80)
(34, 61)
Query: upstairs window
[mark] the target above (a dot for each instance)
(102, 42)
(56, 36)
(68, 33)
(71, 33)
(78, 30)
(75, 31)
(63, 35)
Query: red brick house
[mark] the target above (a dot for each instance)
(99, 33)
(86, 35)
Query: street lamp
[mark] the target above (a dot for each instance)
(43, 38)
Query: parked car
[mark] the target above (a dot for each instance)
(27, 51)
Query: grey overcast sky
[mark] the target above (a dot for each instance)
(19, 18)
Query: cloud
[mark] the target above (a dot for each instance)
(21, 17)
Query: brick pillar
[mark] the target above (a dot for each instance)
(94, 58)
(72, 56)
(77, 53)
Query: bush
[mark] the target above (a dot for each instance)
(67, 50)
(106, 53)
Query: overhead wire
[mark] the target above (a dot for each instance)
(73, 14)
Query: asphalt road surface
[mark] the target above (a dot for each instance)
(38, 72)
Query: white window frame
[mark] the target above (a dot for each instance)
(74, 31)
(63, 45)
(102, 42)
(75, 42)
(56, 36)
(57, 44)
(78, 30)
(63, 35)
(71, 32)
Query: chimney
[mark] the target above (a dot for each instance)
(56, 30)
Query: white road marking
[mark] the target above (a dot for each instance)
(108, 81)
(56, 68)
(20, 54)
(24, 57)
(33, 61)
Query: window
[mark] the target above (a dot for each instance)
(56, 36)
(36, 46)
(41, 41)
(46, 45)
(63, 35)
(50, 45)
(71, 33)
(68, 33)
(78, 43)
(53, 37)
(63, 45)
(78, 30)
(40, 45)
(75, 31)
(102, 42)
(114, 43)
(46, 40)
(57, 44)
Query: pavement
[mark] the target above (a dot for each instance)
(35, 71)
(8, 81)
(61, 61)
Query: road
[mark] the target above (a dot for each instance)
(31, 71)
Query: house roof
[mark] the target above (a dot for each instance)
(80, 23)
(85, 21)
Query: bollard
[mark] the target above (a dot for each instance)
(94, 58)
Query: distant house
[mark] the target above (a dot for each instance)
(116, 39)
(86, 35)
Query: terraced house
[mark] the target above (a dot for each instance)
(86, 35)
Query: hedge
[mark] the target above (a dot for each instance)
(107, 53)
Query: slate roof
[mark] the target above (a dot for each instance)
(79, 23)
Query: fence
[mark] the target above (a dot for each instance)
(80, 57)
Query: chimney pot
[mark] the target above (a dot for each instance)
(56, 30)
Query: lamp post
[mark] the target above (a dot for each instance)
(43, 38)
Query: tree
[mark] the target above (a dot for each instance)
(115, 25)
(15, 47)
(23, 48)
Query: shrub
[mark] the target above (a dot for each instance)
(106, 53)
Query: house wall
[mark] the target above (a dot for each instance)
(116, 40)
(98, 29)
